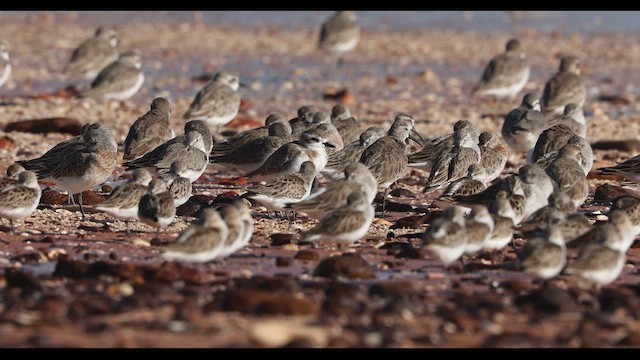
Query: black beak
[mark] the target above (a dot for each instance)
(417, 137)
(329, 145)
(244, 85)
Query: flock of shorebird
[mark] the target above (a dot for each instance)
(284, 159)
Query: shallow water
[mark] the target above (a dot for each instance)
(479, 21)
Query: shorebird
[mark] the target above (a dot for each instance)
(339, 34)
(124, 199)
(120, 80)
(149, 131)
(565, 87)
(201, 242)
(94, 54)
(78, 164)
(21, 199)
(506, 74)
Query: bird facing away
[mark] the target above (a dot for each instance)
(120, 80)
(179, 186)
(124, 200)
(201, 242)
(94, 54)
(565, 87)
(523, 125)
(5, 64)
(506, 74)
(218, 102)
(149, 131)
(345, 123)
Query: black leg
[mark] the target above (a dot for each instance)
(384, 201)
(13, 229)
(84, 216)
(126, 224)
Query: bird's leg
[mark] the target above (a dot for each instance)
(384, 201)
(70, 200)
(13, 229)
(84, 216)
(126, 224)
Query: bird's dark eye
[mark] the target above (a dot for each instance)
(314, 139)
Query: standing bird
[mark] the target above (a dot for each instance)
(149, 131)
(156, 207)
(544, 256)
(339, 34)
(506, 74)
(201, 242)
(446, 237)
(124, 200)
(523, 125)
(351, 152)
(288, 188)
(346, 224)
(218, 102)
(78, 164)
(94, 54)
(120, 80)
(357, 178)
(5, 65)
(237, 216)
(386, 157)
(20, 200)
(565, 87)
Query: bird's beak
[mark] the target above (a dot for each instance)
(244, 85)
(415, 136)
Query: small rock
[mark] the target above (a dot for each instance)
(403, 193)
(139, 242)
(410, 222)
(6, 142)
(89, 198)
(280, 239)
(202, 199)
(606, 193)
(52, 197)
(268, 302)
(394, 289)
(282, 261)
(45, 126)
(630, 145)
(392, 206)
(307, 255)
(70, 268)
(20, 279)
(351, 266)
(190, 208)
(287, 332)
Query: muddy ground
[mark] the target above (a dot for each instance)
(71, 283)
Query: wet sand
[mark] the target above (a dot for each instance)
(84, 284)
